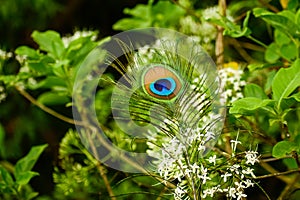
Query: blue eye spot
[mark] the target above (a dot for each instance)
(163, 86)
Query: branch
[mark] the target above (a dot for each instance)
(288, 188)
(240, 50)
(271, 7)
(187, 10)
(102, 172)
(220, 38)
(278, 174)
(45, 108)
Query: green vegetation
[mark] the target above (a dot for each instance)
(255, 45)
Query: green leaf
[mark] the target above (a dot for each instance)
(48, 82)
(289, 51)
(51, 42)
(288, 14)
(296, 96)
(295, 195)
(290, 163)
(41, 66)
(248, 105)
(27, 51)
(53, 98)
(298, 17)
(284, 148)
(293, 5)
(128, 23)
(26, 163)
(272, 54)
(232, 29)
(140, 11)
(253, 90)
(166, 14)
(269, 81)
(24, 177)
(297, 139)
(281, 38)
(279, 21)
(286, 81)
(256, 66)
(141, 18)
(240, 6)
(31, 195)
(79, 48)
(5, 176)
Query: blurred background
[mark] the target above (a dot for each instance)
(18, 18)
(25, 125)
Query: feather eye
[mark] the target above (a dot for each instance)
(161, 82)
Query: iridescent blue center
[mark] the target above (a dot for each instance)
(163, 86)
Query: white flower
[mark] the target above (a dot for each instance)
(201, 148)
(228, 92)
(203, 175)
(248, 171)
(3, 95)
(32, 81)
(251, 157)
(231, 81)
(239, 185)
(239, 95)
(234, 143)
(5, 55)
(21, 59)
(225, 176)
(235, 168)
(237, 86)
(240, 195)
(212, 159)
(195, 168)
(231, 192)
(211, 13)
(248, 183)
(179, 193)
(209, 192)
(68, 39)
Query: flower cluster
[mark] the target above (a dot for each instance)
(78, 34)
(215, 174)
(201, 29)
(203, 32)
(3, 95)
(232, 82)
(5, 55)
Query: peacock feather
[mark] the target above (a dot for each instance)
(167, 92)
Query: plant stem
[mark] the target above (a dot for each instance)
(45, 108)
(257, 41)
(240, 50)
(273, 8)
(102, 172)
(7, 165)
(288, 187)
(278, 174)
(220, 38)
